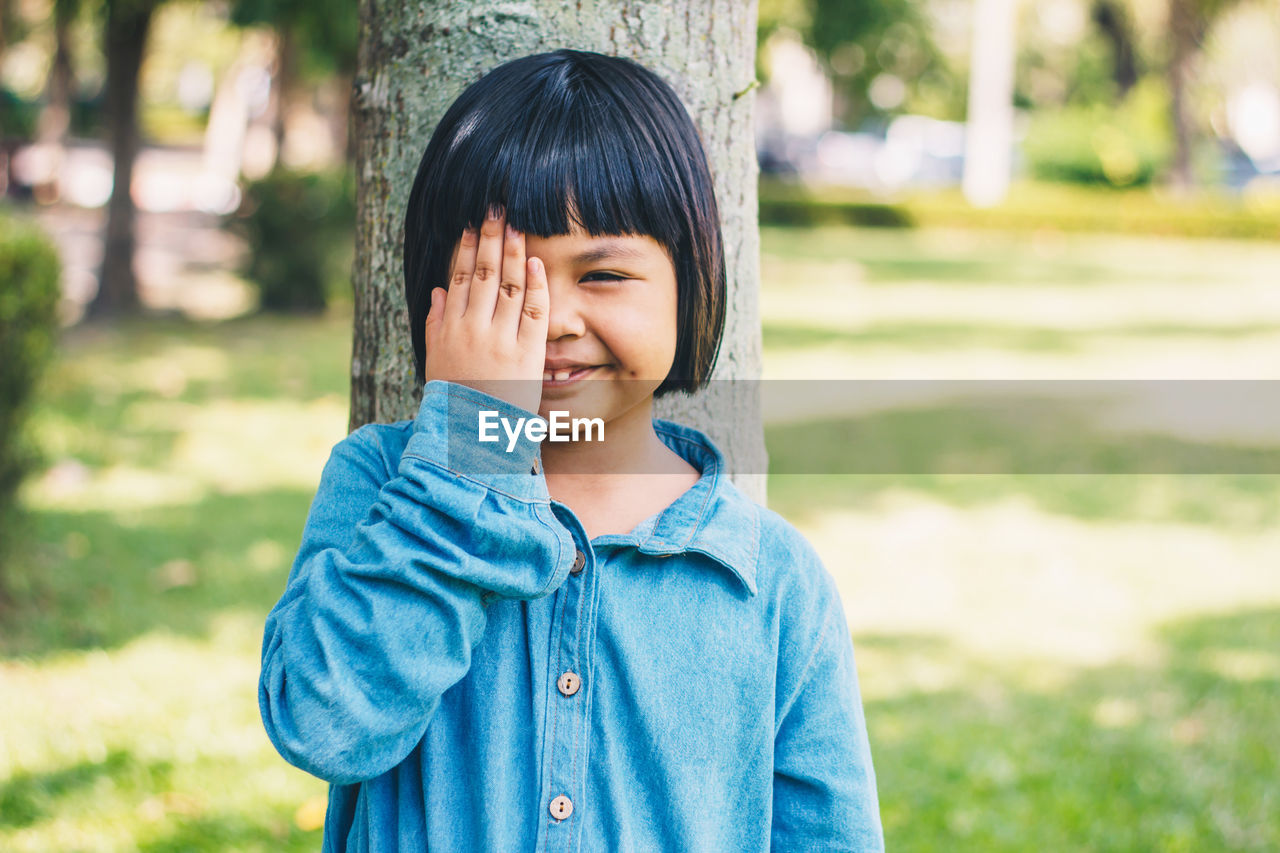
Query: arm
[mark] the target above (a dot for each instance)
(824, 787)
(387, 595)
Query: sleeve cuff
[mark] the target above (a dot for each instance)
(448, 430)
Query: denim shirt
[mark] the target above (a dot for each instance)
(470, 672)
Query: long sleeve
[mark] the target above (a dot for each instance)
(824, 788)
(386, 598)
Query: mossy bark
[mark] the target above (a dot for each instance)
(416, 57)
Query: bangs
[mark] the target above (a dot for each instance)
(555, 149)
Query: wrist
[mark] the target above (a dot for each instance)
(473, 433)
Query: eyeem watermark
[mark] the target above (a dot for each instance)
(559, 428)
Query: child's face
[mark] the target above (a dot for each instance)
(613, 306)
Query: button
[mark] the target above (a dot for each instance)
(579, 561)
(561, 807)
(569, 683)
(536, 465)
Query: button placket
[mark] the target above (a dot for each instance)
(566, 730)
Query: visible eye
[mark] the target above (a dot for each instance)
(602, 276)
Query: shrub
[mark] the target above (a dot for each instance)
(784, 203)
(1031, 207)
(1122, 146)
(299, 228)
(18, 117)
(30, 273)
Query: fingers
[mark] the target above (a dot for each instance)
(435, 311)
(464, 265)
(510, 297)
(537, 307)
(485, 279)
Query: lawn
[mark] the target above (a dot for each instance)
(1049, 661)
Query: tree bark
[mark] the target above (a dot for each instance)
(416, 57)
(126, 38)
(55, 117)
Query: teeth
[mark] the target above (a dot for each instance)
(562, 375)
(546, 376)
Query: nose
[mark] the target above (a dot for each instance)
(565, 319)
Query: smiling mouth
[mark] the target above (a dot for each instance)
(566, 376)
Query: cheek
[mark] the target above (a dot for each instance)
(655, 326)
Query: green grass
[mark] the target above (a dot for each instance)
(1170, 756)
(1048, 661)
(1032, 207)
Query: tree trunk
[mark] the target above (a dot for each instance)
(5, 153)
(1184, 32)
(55, 118)
(126, 39)
(415, 58)
(988, 162)
(340, 118)
(282, 85)
(1113, 22)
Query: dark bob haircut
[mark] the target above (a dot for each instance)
(567, 134)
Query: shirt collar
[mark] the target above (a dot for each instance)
(713, 517)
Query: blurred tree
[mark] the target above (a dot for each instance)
(1189, 22)
(124, 43)
(315, 37)
(55, 118)
(1112, 20)
(879, 53)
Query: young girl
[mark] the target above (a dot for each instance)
(529, 644)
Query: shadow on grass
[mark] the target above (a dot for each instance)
(1175, 756)
(888, 257)
(1011, 268)
(975, 449)
(99, 579)
(28, 798)
(252, 356)
(950, 336)
(230, 832)
(177, 823)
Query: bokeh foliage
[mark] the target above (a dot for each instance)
(31, 276)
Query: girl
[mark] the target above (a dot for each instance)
(540, 645)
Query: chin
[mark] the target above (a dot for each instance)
(588, 400)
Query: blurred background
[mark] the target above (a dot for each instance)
(1048, 661)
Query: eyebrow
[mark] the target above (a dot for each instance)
(612, 250)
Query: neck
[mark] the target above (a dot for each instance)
(630, 446)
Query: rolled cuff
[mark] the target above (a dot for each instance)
(447, 432)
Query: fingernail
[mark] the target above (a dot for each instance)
(495, 212)
(511, 232)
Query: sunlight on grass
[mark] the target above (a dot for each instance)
(225, 446)
(1049, 662)
(838, 303)
(103, 750)
(1009, 581)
